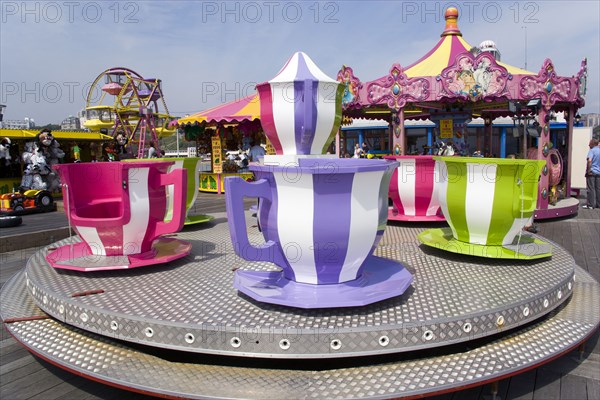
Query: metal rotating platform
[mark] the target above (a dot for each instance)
(191, 305)
(172, 374)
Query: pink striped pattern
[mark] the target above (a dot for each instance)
(413, 190)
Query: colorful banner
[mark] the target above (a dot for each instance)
(446, 131)
(217, 155)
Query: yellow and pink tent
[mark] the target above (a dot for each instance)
(235, 112)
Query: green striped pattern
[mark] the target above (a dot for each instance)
(487, 201)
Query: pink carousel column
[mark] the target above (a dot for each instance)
(402, 132)
(570, 118)
(543, 143)
(398, 144)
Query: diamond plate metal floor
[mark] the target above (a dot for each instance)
(191, 304)
(136, 368)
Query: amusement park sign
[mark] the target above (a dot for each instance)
(217, 155)
(446, 131)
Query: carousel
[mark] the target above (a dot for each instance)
(314, 296)
(455, 83)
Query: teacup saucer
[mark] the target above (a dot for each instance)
(394, 215)
(197, 219)
(527, 248)
(381, 279)
(77, 256)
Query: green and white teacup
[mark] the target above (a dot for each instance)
(192, 164)
(487, 201)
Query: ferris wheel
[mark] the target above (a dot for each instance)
(121, 101)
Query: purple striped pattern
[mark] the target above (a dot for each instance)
(300, 107)
(326, 225)
(326, 244)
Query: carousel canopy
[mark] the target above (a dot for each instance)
(245, 109)
(455, 77)
(445, 51)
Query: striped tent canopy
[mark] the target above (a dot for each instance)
(245, 109)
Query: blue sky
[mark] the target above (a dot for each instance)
(210, 52)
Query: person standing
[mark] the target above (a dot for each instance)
(256, 151)
(364, 149)
(152, 150)
(242, 160)
(76, 153)
(592, 176)
(93, 151)
(357, 151)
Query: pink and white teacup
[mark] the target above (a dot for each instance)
(119, 208)
(413, 190)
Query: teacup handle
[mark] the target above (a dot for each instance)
(527, 198)
(177, 178)
(235, 190)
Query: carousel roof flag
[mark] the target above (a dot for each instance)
(301, 90)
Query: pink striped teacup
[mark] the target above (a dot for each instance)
(119, 208)
(413, 190)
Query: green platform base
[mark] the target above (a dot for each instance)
(197, 219)
(527, 248)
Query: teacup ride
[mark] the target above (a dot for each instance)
(487, 203)
(118, 210)
(321, 217)
(458, 312)
(192, 165)
(413, 190)
(321, 230)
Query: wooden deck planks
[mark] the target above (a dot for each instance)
(593, 389)
(593, 346)
(469, 394)
(64, 389)
(592, 245)
(547, 384)
(573, 387)
(577, 243)
(501, 390)
(521, 386)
